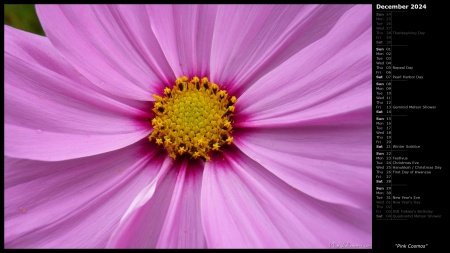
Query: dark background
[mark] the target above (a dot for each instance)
(425, 128)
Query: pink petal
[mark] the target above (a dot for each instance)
(251, 40)
(75, 203)
(26, 143)
(329, 160)
(113, 46)
(184, 33)
(51, 113)
(141, 224)
(330, 76)
(245, 206)
(166, 213)
(182, 227)
(28, 52)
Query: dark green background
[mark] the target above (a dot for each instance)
(23, 17)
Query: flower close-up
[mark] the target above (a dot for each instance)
(189, 126)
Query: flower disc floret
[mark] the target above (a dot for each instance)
(194, 117)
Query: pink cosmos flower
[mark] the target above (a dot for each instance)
(81, 172)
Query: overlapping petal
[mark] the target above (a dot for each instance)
(183, 227)
(257, 209)
(251, 40)
(166, 213)
(74, 203)
(317, 136)
(184, 33)
(52, 113)
(112, 45)
(330, 160)
(330, 76)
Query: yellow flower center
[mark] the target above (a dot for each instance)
(193, 118)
